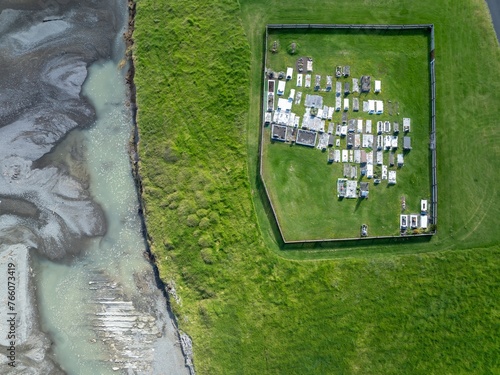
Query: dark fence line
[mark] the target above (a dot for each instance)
(357, 238)
(339, 243)
(268, 204)
(348, 26)
(263, 110)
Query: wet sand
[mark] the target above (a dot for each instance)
(43, 66)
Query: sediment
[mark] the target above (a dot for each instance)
(23, 350)
(43, 67)
(44, 55)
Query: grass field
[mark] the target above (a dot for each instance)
(466, 111)
(250, 310)
(301, 184)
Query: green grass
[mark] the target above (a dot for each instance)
(466, 111)
(302, 185)
(248, 308)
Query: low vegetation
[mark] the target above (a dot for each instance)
(248, 308)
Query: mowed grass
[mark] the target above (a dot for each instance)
(304, 193)
(248, 309)
(301, 183)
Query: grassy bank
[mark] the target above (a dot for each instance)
(248, 309)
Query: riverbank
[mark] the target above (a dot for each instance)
(184, 339)
(494, 7)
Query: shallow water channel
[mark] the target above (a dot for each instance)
(68, 301)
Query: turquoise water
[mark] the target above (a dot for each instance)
(101, 308)
(64, 292)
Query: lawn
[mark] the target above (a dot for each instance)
(301, 184)
(414, 308)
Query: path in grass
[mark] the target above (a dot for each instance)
(248, 309)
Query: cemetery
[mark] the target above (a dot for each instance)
(348, 117)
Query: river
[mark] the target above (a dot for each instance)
(86, 301)
(494, 7)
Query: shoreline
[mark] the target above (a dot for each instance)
(494, 9)
(184, 340)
